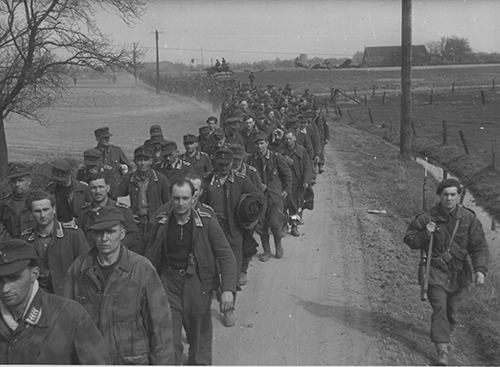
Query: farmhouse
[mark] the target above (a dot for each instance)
(391, 56)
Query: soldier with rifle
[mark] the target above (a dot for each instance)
(457, 255)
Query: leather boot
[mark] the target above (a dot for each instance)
(267, 249)
(442, 354)
(295, 231)
(279, 247)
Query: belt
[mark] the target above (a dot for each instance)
(180, 272)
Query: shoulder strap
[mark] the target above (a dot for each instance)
(454, 232)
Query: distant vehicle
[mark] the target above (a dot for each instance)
(346, 64)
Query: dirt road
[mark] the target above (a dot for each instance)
(311, 307)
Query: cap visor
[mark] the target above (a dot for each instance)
(223, 160)
(13, 267)
(104, 225)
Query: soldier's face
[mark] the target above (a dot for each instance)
(15, 289)
(143, 164)
(171, 157)
(237, 162)
(249, 124)
(223, 168)
(211, 124)
(262, 146)
(220, 143)
(290, 140)
(20, 185)
(99, 190)
(156, 139)
(449, 198)
(190, 147)
(103, 140)
(108, 240)
(182, 197)
(43, 212)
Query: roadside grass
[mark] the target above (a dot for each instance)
(386, 182)
(475, 169)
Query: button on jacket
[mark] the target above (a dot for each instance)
(131, 310)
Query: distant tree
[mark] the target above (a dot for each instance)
(436, 48)
(457, 49)
(40, 40)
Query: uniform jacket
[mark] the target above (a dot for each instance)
(79, 196)
(248, 139)
(176, 171)
(15, 224)
(275, 174)
(55, 330)
(131, 311)
(113, 157)
(200, 162)
(67, 243)
(323, 128)
(312, 133)
(252, 174)
(470, 243)
(210, 247)
(158, 192)
(236, 185)
(306, 142)
(133, 238)
(301, 167)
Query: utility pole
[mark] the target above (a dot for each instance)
(135, 60)
(157, 65)
(202, 62)
(406, 110)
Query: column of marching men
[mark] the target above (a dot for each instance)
(88, 277)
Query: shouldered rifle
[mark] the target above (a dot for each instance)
(424, 279)
(422, 266)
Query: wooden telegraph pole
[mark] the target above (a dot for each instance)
(406, 113)
(157, 65)
(135, 61)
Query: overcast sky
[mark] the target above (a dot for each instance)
(255, 29)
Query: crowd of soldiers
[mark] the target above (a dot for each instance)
(145, 246)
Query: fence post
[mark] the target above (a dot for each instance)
(445, 133)
(493, 84)
(366, 101)
(355, 92)
(373, 89)
(464, 143)
(350, 116)
(370, 114)
(445, 174)
(383, 99)
(493, 155)
(413, 128)
(482, 97)
(339, 111)
(453, 87)
(431, 99)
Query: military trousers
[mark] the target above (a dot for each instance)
(273, 219)
(295, 200)
(444, 310)
(190, 306)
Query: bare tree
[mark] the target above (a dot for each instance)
(40, 40)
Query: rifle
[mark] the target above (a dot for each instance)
(425, 281)
(422, 266)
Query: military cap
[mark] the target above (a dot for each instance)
(155, 130)
(212, 118)
(92, 156)
(15, 255)
(238, 151)
(61, 170)
(292, 124)
(107, 217)
(102, 132)
(219, 134)
(189, 138)
(223, 155)
(18, 170)
(143, 151)
(168, 147)
(232, 120)
(449, 182)
(260, 136)
(204, 130)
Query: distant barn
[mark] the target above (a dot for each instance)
(391, 56)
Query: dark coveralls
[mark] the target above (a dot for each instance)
(14, 221)
(189, 287)
(452, 265)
